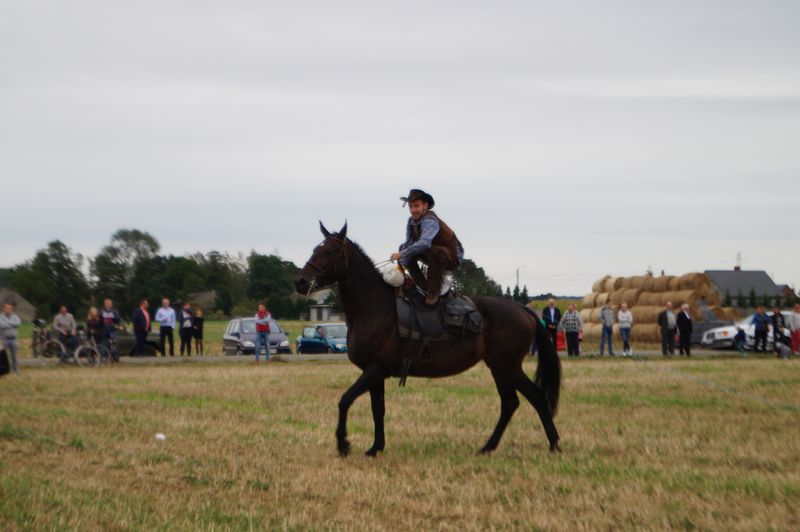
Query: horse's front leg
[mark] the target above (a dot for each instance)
(378, 411)
(367, 379)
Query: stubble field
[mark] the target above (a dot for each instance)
(654, 444)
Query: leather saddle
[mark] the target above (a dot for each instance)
(453, 317)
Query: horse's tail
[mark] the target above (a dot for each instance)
(548, 371)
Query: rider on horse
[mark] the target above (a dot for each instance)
(430, 240)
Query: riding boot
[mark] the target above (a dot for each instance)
(417, 275)
(435, 275)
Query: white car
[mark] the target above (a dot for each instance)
(722, 337)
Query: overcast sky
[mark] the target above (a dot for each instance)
(570, 139)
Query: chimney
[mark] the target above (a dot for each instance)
(737, 268)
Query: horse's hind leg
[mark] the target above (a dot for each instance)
(536, 397)
(508, 404)
(378, 410)
(367, 379)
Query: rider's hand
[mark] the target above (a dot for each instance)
(395, 256)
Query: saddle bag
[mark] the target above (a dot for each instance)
(460, 316)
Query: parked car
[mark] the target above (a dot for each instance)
(240, 338)
(126, 342)
(722, 337)
(700, 327)
(323, 338)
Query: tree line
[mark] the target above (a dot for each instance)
(130, 268)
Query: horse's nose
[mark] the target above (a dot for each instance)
(301, 284)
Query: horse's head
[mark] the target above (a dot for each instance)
(327, 264)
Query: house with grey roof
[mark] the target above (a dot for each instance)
(740, 283)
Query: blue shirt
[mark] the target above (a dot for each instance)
(429, 228)
(166, 317)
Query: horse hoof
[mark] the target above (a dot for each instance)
(554, 448)
(344, 448)
(373, 452)
(485, 451)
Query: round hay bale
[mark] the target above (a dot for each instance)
(616, 297)
(638, 281)
(649, 299)
(712, 299)
(626, 283)
(588, 300)
(696, 281)
(673, 284)
(586, 315)
(613, 283)
(719, 312)
(601, 299)
(594, 316)
(680, 297)
(592, 331)
(732, 313)
(648, 284)
(646, 333)
(648, 314)
(600, 284)
(630, 296)
(661, 284)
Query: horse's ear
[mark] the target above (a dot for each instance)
(325, 232)
(343, 231)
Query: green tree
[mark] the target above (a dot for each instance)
(114, 267)
(727, 301)
(753, 298)
(524, 297)
(515, 294)
(51, 279)
(5, 277)
(507, 295)
(471, 280)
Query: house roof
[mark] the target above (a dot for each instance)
(743, 282)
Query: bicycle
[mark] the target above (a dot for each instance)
(94, 353)
(43, 345)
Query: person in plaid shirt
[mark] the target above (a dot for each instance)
(572, 325)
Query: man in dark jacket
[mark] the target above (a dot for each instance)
(778, 323)
(667, 323)
(431, 241)
(685, 328)
(552, 317)
(141, 326)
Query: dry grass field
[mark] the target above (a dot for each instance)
(654, 444)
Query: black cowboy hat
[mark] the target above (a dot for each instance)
(417, 194)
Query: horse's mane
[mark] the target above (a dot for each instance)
(360, 251)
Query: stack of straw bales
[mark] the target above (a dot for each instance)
(646, 297)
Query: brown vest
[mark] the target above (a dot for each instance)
(446, 237)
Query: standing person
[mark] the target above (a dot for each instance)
(262, 331)
(794, 326)
(552, 317)
(625, 318)
(186, 329)
(64, 324)
(197, 331)
(8, 331)
(667, 322)
(94, 326)
(572, 325)
(607, 319)
(430, 240)
(761, 322)
(111, 320)
(778, 322)
(685, 328)
(165, 316)
(141, 326)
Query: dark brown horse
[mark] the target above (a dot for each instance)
(375, 346)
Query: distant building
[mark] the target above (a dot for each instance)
(738, 283)
(22, 306)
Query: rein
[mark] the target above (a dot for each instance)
(313, 284)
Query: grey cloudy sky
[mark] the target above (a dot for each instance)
(572, 138)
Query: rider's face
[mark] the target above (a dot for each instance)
(417, 208)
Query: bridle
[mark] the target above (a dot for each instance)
(332, 265)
